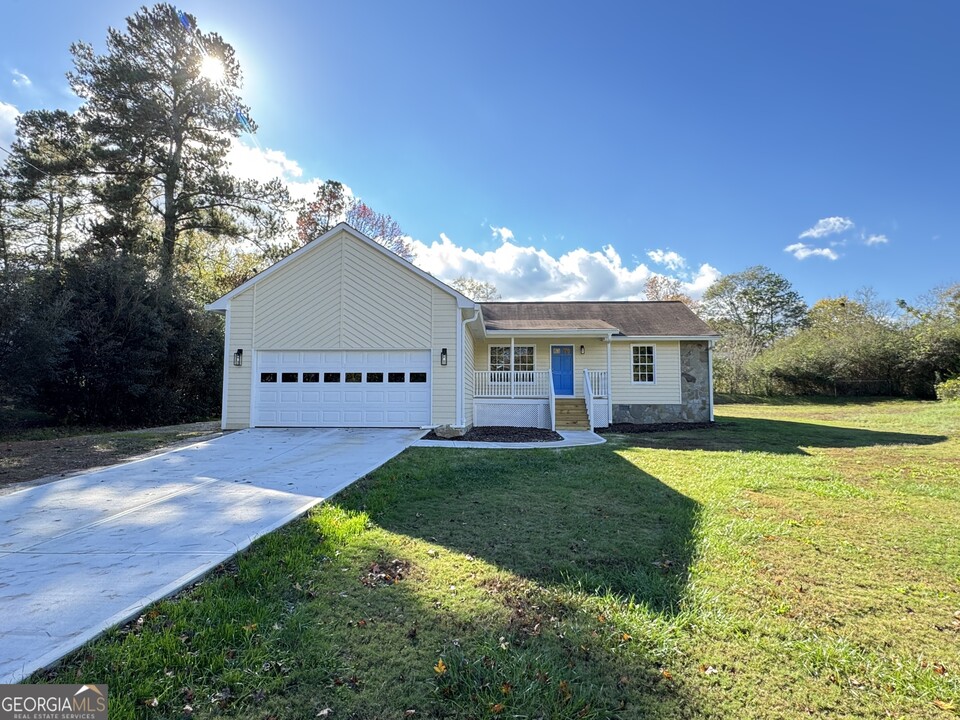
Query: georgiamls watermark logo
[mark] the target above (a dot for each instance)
(53, 702)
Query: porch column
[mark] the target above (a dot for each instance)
(513, 374)
(609, 384)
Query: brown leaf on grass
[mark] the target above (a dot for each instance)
(626, 637)
(565, 691)
(506, 688)
(601, 619)
(944, 705)
(666, 674)
(385, 572)
(498, 708)
(939, 669)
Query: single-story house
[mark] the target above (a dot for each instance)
(345, 333)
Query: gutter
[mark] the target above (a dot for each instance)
(461, 329)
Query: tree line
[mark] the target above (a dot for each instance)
(774, 344)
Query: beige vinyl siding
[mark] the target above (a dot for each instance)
(385, 306)
(468, 377)
(594, 355)
(300, 306)
(666, 388)
(239, 378)
(343, 296)
(444, 323)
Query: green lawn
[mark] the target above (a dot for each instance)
(798, 560)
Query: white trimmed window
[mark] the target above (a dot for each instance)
(643, 363)
(523, 358)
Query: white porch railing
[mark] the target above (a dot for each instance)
(507, 384)
(553, 406)
(598, 382)
(588, 397)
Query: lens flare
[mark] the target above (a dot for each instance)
(212, 69)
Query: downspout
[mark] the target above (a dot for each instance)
(461, 329)
(609, 382)
(227, 364)
(710, 374)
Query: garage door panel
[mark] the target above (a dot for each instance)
(310, 388)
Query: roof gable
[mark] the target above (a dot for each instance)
(221, 304)
(663, 318)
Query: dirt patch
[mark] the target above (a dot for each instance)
(385, 572)
(502, 433)
(635, 429)
(24, 460)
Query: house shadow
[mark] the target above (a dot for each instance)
(784, 437)
(585, 520)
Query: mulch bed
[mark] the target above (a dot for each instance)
(499, 433)
(635, 429)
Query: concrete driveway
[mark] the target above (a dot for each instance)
(82, 554)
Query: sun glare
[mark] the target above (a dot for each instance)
(212, 69)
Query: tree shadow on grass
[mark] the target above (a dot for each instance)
(774, 436)
(586, 520)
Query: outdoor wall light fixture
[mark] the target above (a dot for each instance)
(238, 358)
(582, 349)
(443, 356)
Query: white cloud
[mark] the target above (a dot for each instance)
(828, 226)
(706, 276)
(254, 163)
(668, 258)
(20, 79)
(876, 240)
(502, 233)
(8, 123)
(801, 251)
(531, 273)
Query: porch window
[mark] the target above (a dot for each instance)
(523, 358)
(643, 361)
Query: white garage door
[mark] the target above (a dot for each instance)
(342, 388)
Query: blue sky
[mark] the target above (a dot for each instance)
(568, 150)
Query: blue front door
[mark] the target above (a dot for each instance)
(561, 367)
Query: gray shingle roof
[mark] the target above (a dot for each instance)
(641, 319)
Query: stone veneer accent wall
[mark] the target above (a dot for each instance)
(694, 393)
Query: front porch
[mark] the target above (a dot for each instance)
(528, 398)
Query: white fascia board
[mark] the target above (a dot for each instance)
(663, 338)
(221, 304)
(558, 333)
